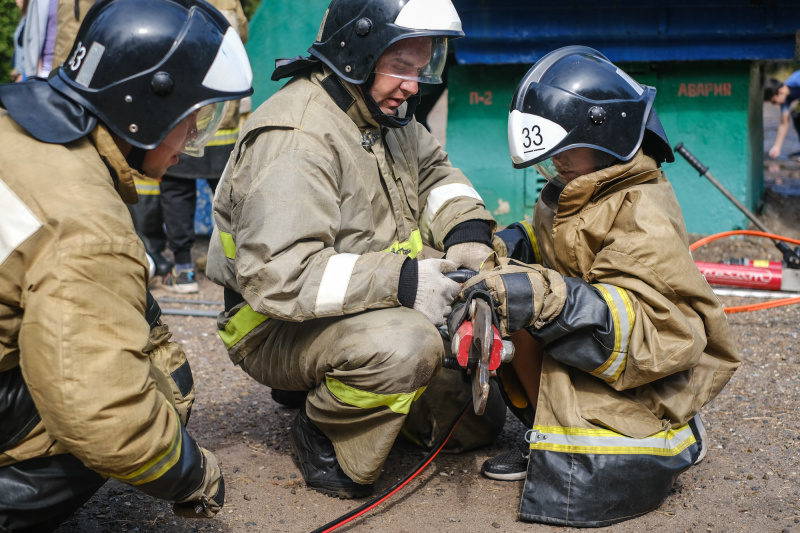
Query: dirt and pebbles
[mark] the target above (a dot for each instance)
(750, 480)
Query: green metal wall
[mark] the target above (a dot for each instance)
(712, 107)
(709, 106)
(280, 29)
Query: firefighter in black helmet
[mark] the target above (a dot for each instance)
(320, 219)
(90, 385)
(619, 339)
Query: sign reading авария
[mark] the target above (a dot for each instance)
(693, 90)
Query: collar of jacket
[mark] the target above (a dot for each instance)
(582, 190)
(122, 174)
(358, 111)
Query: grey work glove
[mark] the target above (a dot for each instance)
(435, 291)
(208, 499)
(470, 255)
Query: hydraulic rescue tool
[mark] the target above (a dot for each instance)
(476, 346)
(768, 275)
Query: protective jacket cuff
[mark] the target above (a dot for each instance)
(469, 231)
(407, 286)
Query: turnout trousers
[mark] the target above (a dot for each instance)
(362, 372)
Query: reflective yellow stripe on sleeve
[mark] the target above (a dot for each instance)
(228, 246)
(399, 403)
(604, 441)
(619, 303)
(161, 464)
(412, 247)
(224, 137)
(239, 325)
(534, 243)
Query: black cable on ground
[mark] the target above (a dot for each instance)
(355, 513)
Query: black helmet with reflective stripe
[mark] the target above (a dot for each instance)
(140, 67)
(354, 33)
(575, 97)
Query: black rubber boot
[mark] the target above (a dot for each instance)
(316, 459)
(289, 398)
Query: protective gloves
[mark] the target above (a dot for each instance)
(524, 295)
(170, 369)
(435, 291)
(208, 499)
(470, 255)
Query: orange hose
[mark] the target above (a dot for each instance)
(752, 307)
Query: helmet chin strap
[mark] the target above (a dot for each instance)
(135, 159)
(388, 121)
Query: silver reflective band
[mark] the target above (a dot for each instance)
(443, 194)
(603, 441)
(429, 15)
(17, 222)
(622, 313)
(334, 282)
(230, 71)
(90, 63)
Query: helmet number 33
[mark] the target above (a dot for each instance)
(77, 57)
(530, 135)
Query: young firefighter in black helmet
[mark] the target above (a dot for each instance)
(90, 385)
(619, 339)
(321, 216)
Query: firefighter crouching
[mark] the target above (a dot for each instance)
(619, 339)
(321, 216)
(90, 385)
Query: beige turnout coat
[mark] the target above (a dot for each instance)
(314, 196)
(73, 280)
(608, 441)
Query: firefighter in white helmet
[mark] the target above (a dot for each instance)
(321, 216)
(90, 385)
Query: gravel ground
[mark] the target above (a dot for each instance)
(748, 482)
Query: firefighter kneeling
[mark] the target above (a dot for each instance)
(90, 385)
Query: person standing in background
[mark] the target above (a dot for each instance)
(179, 185)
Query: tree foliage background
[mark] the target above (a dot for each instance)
(9, 16)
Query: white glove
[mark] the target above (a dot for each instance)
(435, 291)
(470, 255)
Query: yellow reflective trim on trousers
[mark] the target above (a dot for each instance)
(606, 442)
(534, 243)
(228, 246)
(161, 464)
(223, 137)
(399, 403)
(239, 325)
(412, 247)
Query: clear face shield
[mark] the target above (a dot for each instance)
(419, 59)
(196, 130)
(565, 166)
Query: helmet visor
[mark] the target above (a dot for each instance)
(419, 59)
(201, 125)
(565, 166)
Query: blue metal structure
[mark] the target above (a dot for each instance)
(519, 31)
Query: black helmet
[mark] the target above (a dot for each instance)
(141, 67)
(354, 34)
(574, 97)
